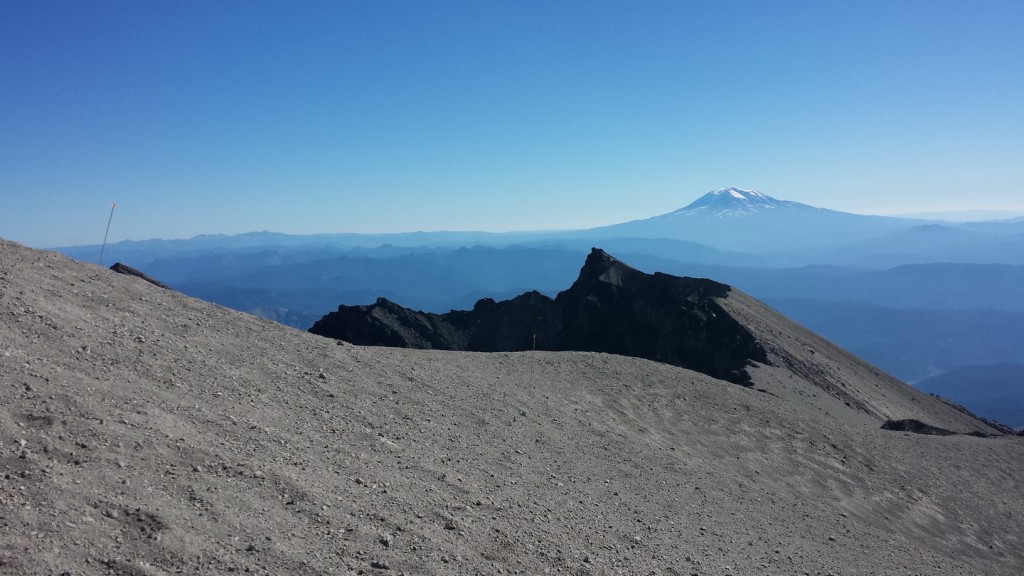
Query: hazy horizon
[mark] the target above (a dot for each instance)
(406, 116)
(950, 217)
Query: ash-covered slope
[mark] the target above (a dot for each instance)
(610, 308)
(802, 364)
(143, 432)
(688, 322)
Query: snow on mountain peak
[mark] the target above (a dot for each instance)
(733, 201)
(738, 193)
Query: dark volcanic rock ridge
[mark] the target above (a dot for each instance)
(610, 308)
(127, 270)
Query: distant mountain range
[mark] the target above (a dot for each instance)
(859, 280)
(736, 223)
(967, 215)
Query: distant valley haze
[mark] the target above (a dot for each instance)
(918, 298)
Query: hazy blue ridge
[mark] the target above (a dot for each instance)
(912, 344)
(995, 390)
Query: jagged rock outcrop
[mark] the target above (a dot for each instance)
(129, 271)
(693, 323)
(915, 426)
(918, 427)
(610, 308)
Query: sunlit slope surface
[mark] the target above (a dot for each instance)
(803, 365)
(144, 432)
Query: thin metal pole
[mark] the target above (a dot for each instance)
(109, 220)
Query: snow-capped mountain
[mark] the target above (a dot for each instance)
(736, 202)
(749, 221)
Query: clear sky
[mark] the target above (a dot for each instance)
(370, 116)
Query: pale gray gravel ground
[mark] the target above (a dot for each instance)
(144, 432)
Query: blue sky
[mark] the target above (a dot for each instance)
(226, 117)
